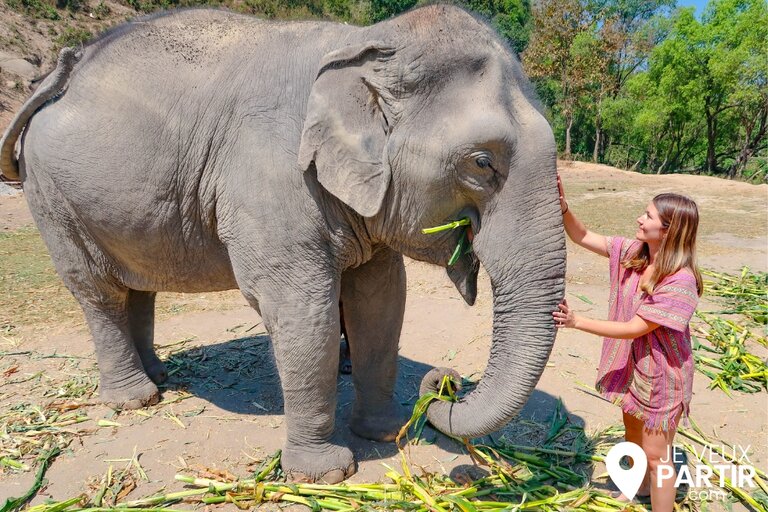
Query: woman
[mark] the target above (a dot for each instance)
(646, 366)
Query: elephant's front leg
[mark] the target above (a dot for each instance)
(305, 333)
(373, 295)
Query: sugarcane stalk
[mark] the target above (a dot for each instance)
(552, 451)
(211, 485)
(706, 443)
(45, 462)
(162, 498)
(103, 488)
(122, 509)
(445, 227)
(12, 463)
(743, 496)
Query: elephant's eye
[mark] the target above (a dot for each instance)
(483, 162)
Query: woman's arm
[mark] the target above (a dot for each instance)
(577, 231)
(634, 328)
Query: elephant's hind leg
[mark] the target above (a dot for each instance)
(141, 317)
(86, 272)
(374, 303)
(123, 383)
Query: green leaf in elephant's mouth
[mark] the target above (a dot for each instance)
(464, 246)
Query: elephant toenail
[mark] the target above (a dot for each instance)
(299, 478)
(334, 476)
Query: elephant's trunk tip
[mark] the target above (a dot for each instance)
(434, 380)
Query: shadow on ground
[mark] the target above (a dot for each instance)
(240, 376)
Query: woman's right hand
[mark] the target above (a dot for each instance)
(563, 202)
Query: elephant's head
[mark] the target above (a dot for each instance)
(427, 118)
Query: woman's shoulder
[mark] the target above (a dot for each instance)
(624, 246)
(684, 274)
(683, 278)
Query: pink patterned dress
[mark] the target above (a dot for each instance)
(650, 377)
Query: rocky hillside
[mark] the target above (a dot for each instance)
(32, 32)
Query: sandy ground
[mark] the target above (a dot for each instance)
(225, 396)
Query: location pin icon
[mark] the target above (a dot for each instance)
(627, 480)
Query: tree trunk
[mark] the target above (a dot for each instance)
(750, 144)
(569, 124)
(598, 131)
(598, 141)
(711, 136)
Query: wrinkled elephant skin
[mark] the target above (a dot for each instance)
(203, 150)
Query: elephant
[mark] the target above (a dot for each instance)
(202, 150)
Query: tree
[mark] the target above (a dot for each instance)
(511, 18)
(628, 33)
(384, 9)
(719, 65)
(558, 54)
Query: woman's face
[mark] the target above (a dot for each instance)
(649, 227)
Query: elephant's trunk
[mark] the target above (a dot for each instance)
(521, 244)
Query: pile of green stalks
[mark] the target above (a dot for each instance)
(30, 431)
(746, 294)
(726, 360)
(553, 476)
(713, 449)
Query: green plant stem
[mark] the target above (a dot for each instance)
(45, 462)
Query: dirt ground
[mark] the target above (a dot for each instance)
(223, 406)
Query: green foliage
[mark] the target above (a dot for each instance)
(384, 9)
(511, 18)
(704, 93)
(34, 8)
(641, 88)
(101, 10)
(72, 37)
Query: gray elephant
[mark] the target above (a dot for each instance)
(202, 150)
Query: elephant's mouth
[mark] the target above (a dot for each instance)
(474, 217)
(463, 273)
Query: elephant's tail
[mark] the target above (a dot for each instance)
(53, 86)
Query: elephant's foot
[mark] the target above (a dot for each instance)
(155, 369)
(382, 425)
(142, 394)
(326, 463)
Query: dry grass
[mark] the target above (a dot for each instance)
(556, 474)
(33, 296)
(612, 204)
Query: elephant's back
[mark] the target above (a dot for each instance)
(162, 79)
(156, 120)
(193, 42)
(173, 39)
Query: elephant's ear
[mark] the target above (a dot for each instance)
(345, 131)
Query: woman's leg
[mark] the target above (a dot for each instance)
(657, 445)
(633, 432)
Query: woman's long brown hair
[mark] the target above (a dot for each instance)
(680, 217)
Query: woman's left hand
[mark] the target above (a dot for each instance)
(564, 317)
